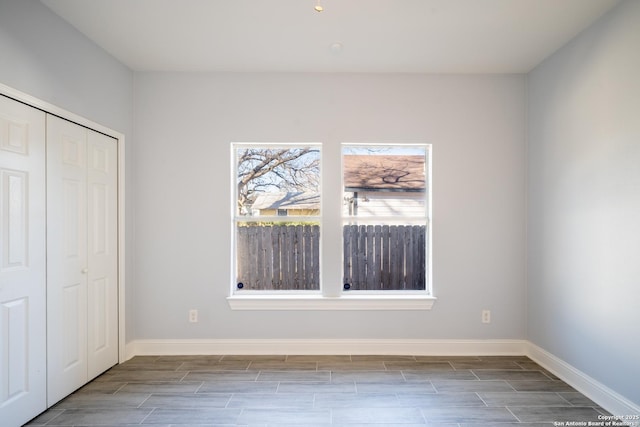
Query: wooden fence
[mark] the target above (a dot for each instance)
(376, 257)
(277, 257)
(384, 257)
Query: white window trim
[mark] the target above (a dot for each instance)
(331, 296)
(321, 302)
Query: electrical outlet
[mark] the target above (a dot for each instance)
(193, 316)
(486, 316)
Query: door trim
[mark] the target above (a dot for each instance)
(82, 121)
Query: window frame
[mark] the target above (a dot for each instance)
(331, 295)
(276, 218)
(350, 218)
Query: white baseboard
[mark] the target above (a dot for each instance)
(328, 346)
(594, 390)
(599, 393)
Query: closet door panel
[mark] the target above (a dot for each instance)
(66, 257)
(22, 263)
(102, 253)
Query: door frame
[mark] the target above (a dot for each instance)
(82, 121)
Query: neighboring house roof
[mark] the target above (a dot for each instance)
(284, 200)
(384, 173)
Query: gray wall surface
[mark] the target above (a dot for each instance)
(584, 202)
(185, 124)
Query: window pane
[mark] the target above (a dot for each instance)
(278, 256)
(277, 217)
(282, 181)
(384, 181)
(385, 217)
(384, 257)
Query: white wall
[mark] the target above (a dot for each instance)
(584, 202)
(185, 122)
(42, 56)
(45, 57)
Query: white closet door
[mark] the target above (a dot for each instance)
(22, 263)
(82, 255)
(67, 266)
(102, 182)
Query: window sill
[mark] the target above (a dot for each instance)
(319, 302)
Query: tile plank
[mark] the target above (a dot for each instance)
(459, 414)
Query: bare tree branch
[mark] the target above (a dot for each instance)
(285, 169)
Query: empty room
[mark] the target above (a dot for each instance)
(319, 212)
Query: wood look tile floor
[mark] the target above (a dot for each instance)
(314, 391)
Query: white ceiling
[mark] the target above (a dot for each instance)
(432, 36)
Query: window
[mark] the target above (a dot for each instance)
(363, 244)
(385, 217)
(277, 217)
